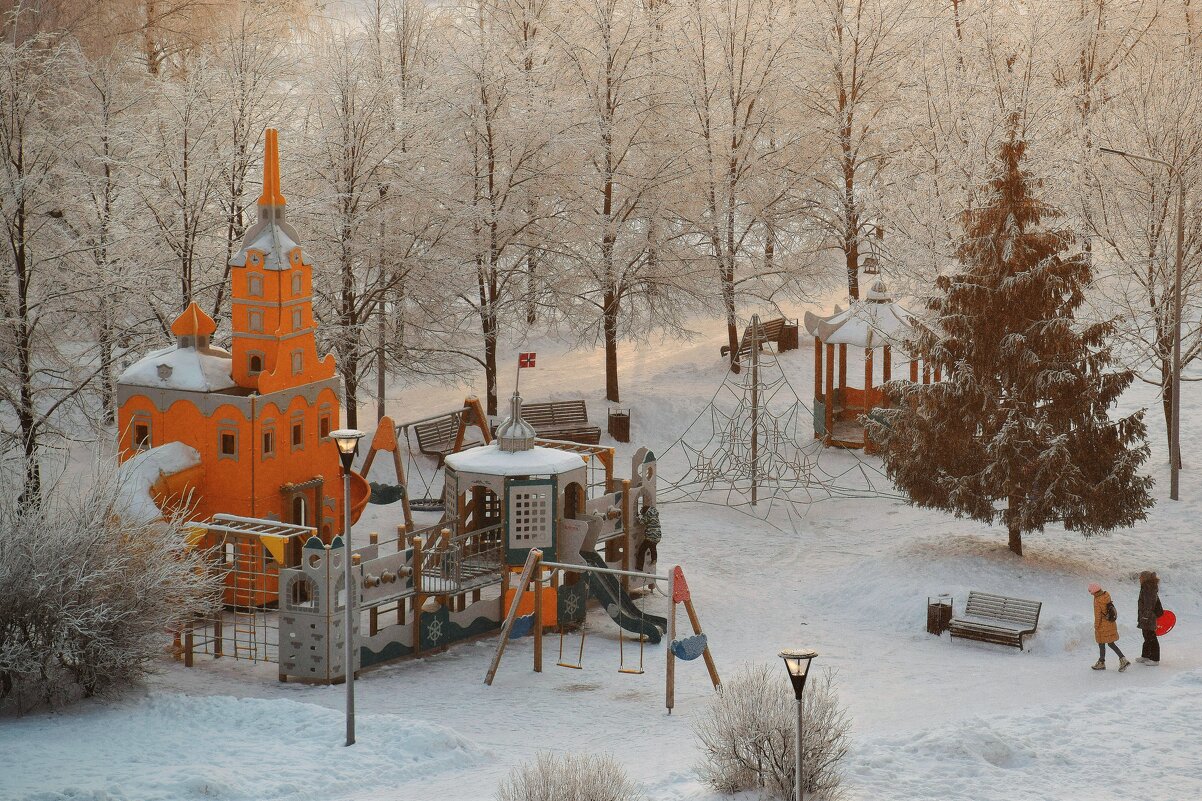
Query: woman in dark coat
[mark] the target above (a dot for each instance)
(1149, 610)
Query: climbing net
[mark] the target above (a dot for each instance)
(752, 448)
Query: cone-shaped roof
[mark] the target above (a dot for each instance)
(271, 235)
(271, 171)
(193, 323)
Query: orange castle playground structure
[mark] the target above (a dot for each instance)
(258, 415)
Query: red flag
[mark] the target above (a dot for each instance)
(525, 360)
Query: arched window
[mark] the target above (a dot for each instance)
(254, 285)
(302, 594)
(299, 510)
(573, 501)
(256, 363)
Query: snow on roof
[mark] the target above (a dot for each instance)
(868, 323)
(491, 460)
(192, 369)
(136, 476)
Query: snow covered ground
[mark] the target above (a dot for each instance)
(932, 719)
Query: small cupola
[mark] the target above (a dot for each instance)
(878, 293)
(193, 328)
(515, 434)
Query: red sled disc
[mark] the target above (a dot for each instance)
(1165, 623)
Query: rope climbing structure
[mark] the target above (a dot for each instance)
(752, 448)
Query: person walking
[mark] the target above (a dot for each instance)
(1149, 610)
(1105, 629)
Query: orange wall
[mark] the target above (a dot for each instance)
(249, 485)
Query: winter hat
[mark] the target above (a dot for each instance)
(1094, 587)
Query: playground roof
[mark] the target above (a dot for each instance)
(869, 323)
(194, 369)
(491, 460)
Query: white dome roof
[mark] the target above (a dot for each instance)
(492, 461)
(204, 369)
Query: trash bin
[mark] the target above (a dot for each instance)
(788, 337)
(619, 424)
(939, 613)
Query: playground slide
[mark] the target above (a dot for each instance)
(618, 604)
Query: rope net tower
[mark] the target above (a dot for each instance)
(752, 448)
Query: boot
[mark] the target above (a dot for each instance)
(1151, 662)
(1123, 663)
(1143, 660)
(1100, 664)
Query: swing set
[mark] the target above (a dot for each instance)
(537, 573)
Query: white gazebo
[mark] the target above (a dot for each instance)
(874, 322)
(520, 489)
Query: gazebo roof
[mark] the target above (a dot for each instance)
(870, 323)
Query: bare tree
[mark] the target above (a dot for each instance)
(351, 150)
(609, 259)
(36, 314)
(735, 57)
(855, 48)
(505, 130)
(1155, 112)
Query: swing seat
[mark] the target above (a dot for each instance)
(386, 493)
(689, 648)
(570, 665)
(631, 671)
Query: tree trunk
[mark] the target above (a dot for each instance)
(350, 376)
(1016, 540)
(610, 324)
(490, 363)
(381, 362)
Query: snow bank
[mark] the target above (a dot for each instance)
(1101, 748)
(203, 370)
(182, 747)
(139, 474)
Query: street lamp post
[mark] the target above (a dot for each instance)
(797, 662)
(347, 440)
(1175, 380)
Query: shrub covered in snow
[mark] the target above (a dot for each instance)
(748, 735)
(569, 777)
(87, 600)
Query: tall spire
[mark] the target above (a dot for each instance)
(271, 171)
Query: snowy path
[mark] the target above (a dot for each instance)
(932, 719)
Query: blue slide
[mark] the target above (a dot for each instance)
(621, 609)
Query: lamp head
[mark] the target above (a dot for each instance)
(797, 662)
(347, 440)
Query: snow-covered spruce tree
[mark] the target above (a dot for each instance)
(87, 600)
(1018, 432)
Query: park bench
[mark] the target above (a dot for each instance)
(437, 437)
(780, 331)
(562, 420)
(996, 619)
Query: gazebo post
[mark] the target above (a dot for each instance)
(867, 388)
(926, 372)
(887, 366)
(830, 391)
(913, 371)
(938, 374)
(817, 368)
(867, 375)
(843, 366)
